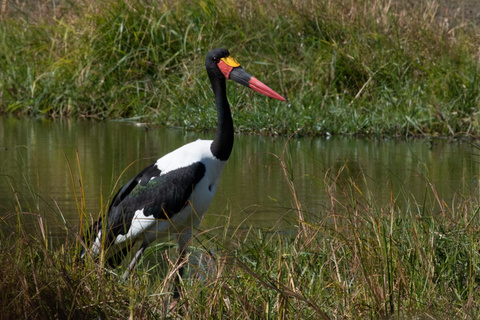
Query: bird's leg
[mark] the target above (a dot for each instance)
(134, 261)
(183, 242)
(178, 275)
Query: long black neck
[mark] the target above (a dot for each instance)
(223, 143)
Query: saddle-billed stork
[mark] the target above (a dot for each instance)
(170, 196)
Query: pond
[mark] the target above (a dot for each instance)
(44, 163)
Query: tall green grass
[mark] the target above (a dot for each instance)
(369, 67)
(355, 259)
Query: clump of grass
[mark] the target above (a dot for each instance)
(348, 67)
(354, 259)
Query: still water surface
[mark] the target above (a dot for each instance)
(38, 159)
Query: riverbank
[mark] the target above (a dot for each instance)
(370, 68)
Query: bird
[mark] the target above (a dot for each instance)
(170, 196)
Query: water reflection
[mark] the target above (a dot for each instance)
(40, 156)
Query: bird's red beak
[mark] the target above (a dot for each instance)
(231, 70)
(262, 88)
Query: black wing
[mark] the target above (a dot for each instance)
(159, 195)
(142, 178)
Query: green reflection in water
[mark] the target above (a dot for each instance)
(36, 157)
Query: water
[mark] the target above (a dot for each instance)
(39, 166)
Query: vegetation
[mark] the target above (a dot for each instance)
(356, 259)
(370, 67)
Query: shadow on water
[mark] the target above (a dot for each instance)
(38, 162)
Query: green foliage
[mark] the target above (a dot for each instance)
(349, 67)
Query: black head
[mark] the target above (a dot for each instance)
(220, 66)
(212, 60)
(214, 56)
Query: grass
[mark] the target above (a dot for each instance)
(370, 67)
(356, 259)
